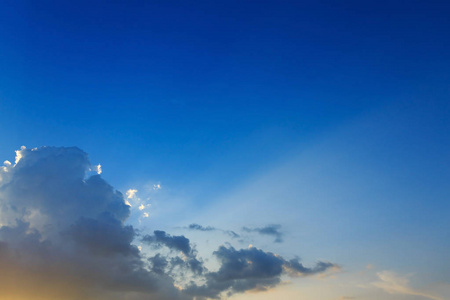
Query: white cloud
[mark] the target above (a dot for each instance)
(131, 193)
(98, 169)
(19, 154)
(5, 168)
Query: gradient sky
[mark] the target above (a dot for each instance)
(313, 130)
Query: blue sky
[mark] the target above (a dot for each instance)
(326, 120)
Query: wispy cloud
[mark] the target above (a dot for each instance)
(392, 283)
(198, 227)
(201, 228)
(272, 230)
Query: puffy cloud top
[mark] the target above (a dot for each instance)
(65, 233)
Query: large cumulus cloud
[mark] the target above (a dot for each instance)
(63, 236)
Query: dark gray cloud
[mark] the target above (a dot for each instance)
(178, 243)
(63, 236)
(159, 238)
(201, 228)
(159, 264)
(198, 227)
(246, 263)
(295, 268)
(250, 269)
(103, 236)
(190, 263)
(272, 230)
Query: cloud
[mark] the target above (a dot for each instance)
(136, 203)
(392, 283)
(131, 193)
(272, 230)
(201, 228)
(103, 236)
(232, 234)
(179, 243)
(198, 227)
(159, 263)
(249, 269)
(295, 268)
(98, 169)
(63, 236)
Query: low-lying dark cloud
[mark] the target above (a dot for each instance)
(272, 230)
(63, 236)
(250, 269)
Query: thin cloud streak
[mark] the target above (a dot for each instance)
(199, 227)
(392, 283)
(271, 230)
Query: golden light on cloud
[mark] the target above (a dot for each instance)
(19, 154)
(131, 193)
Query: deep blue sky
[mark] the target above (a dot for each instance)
(183, 82)
(343, 105)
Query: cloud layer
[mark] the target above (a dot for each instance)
(63, 236)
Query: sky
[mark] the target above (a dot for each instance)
(224, 150)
